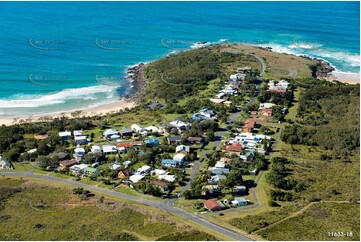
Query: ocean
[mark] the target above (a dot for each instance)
(59, 56)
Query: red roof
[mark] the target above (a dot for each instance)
(249, 123)
(212, 205)
(38, 137)
(267, 111)
(234, 147)
(159, 183)
(277, 90)
(129, 144)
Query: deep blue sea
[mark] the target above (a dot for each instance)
(57, 56)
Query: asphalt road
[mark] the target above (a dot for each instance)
(156, 204)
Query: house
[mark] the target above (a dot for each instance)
(109, 133)
(249, 125)
(136, 178)
(91, 171)
(77, 169)
(239, 201)
(169, 178)
(217, 101)
(65, 135)
(157, 172)
(127, 163)
(79, 153)
(65, 164)
(234, 148)
(169, 163)
(81, 140)
(109, 149)
(123, 173)
(220, 164)
(220, 171)
(144, 169)
(237, 77)
(161, 185)
(136, 128)
(280, 87)
(152, 129)
(195, 140)
(63, 156)
(174, 140)
(267, 112)
(77, 133)
(253, 112)
(246, 69)
(135, 144)
(208, 113)
(209, 189)
(5, 164)
(125, 132)
(214, 180)
(224, 159)
(266, 105)
(151, 142)
(114, 167)
(240, 189)
(41, 137)
(179, 157)
(249, 156)
(180, 125)
(213, 206)
(96, 149)
(182, 149)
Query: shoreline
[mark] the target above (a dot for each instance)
(138, 85)
(90, 112)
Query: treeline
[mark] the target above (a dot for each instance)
(328, 116)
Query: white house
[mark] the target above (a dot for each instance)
(239, 201)
(109, 132)
(65, 135)
(180, 124)
(152, 129)
(266, 105)
(5, 164)
(96, 149)
(78, 169)
(115, 166)
(136, 128)
(209, 113)
(179, 157)
(216, 179)
(220, 164)
(182, 149)
(80, 140)
(220, 171)
(144, 169)
(78, 133)
(136, 178)
(109, 149)
(170, 178)
(79, 153)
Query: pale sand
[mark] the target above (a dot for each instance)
(344, 77)
(98, 110)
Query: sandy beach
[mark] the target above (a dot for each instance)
(344, 77)
(98, 110)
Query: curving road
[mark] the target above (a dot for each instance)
(156, 204)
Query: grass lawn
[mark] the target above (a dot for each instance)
(22, 166)
(41, 211)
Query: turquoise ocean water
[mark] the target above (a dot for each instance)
(58, 56)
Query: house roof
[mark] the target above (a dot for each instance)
(152, 140)
(170, 178)
(178, 157)
(129, 144)
(175, 138)
(136, 178)
(267, 110)
(182, 147)
(159, 183)
(109, 148)
(125, 130)
(168, 161)
(211, 204)
(79, 150)
(68, 163)
(249, 123)
(39, 137)
(195, 139)
(64, 133)
(234, 147)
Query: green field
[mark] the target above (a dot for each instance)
(37, 211)
(317, 222)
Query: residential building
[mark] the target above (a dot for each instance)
(195, 140)
(63, 156)
(266, 105)
(79, 153)
(249, 125)
(81, 140)
(65, 164)
(180, 125)
(267, 112)
(248, 157)
(91, 171)
(169, 163)
(239, 201)
(125, 132)
(220, 171)
(123, 173)
(5, 164)
(41, 137)
(161, 185)
(209, 190)
(240, 189)
(96, 149)
(174, 140)
(136, 178)
(169, 178)
(127, 163)
(179, 157)
(109, 149)
(152, 142)
(77, 133)
(109, 133)
(184, 149)
(65, 135)
(214, 180)
(77, 169)
(234, 149)
(213, 206)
